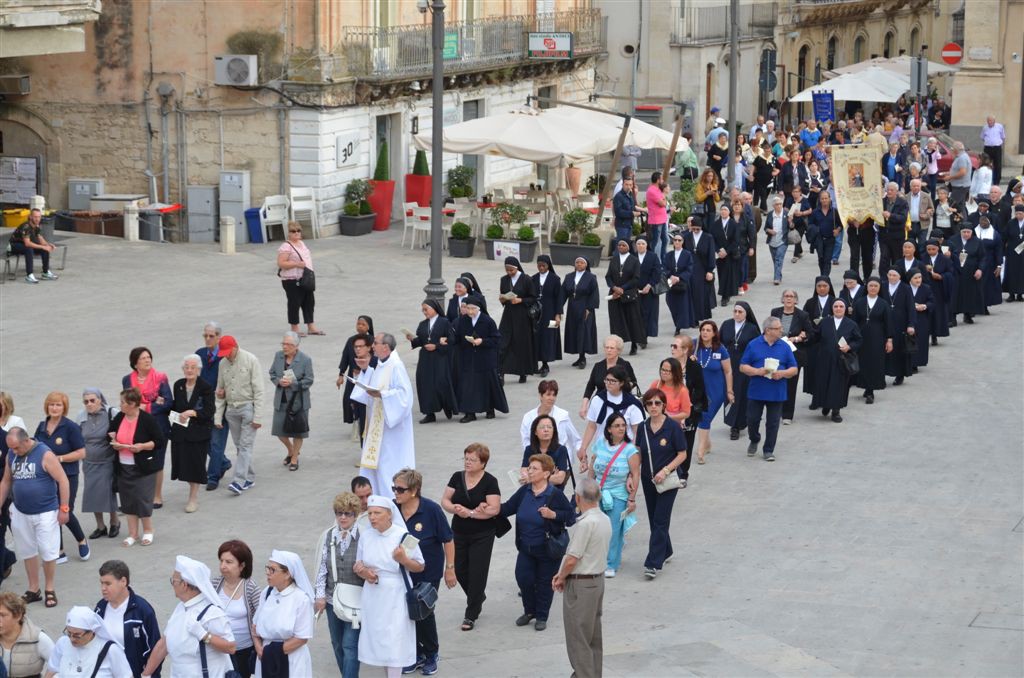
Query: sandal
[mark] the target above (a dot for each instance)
(293, 466)
(700, 461)
(468, 624)
(147, 538)
(318, 333)
(51, 598)
(128, 541)
(287, 460)
(31, 597)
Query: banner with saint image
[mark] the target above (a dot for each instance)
(857, 180)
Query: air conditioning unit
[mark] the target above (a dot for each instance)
(238, 70)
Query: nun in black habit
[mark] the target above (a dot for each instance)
(516, 296)
(924, 305)
(831, 378)
(967, 253)
(581, 295)
(462, 291)
(677, 265)
(735, 334)
(547, 339)
(1013, 261)
(477, 340)
(901, 301)
(817, 308)
(939, 275)
(853, 290)
(874, 316)
(434, 337)
(987, 231)
(351, 411)
(623, 279)
(702, 281)
(650, 274)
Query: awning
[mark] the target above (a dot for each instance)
(869, 84)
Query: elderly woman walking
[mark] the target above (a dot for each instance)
(86, 643)
(192, 428)
(98, 496)
(337, 588)
(292, 374)
(293, 260)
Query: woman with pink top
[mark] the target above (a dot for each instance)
(657, 215)
(156, 400)
(293, 258)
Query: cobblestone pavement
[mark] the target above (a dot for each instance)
(890, 544)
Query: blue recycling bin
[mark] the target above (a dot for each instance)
(252, 221)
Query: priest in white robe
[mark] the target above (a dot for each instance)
(386, 391)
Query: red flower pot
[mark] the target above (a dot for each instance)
(380, 202)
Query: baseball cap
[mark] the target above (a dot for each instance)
(715, 109)
(226, 343)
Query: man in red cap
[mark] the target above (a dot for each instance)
(240, 403)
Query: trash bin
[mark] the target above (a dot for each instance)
(15, 217)
(151, 226)
(46, 225)
(65, 222)
(252, 221)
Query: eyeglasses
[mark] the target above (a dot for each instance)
(175, 582)
(75, 636)
(675, 346)
(270, 569)
(653, 403)
(399, 490)
(89, 401)
(345, 514)
(611, 380)
(295, 230)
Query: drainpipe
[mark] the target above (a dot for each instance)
(166, 91)
(281, 150)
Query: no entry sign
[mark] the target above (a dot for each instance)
(952, 53)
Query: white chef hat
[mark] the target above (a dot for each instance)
(197, 574)
(380, 502)
(81, 617)
(294, 564)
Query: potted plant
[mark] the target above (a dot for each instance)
(575, 239)
(461, 243)
(527, 243)
(573, 174)
(504, 216)
(383, 190)
(460, 181)
(494, 233)
(356, 216)
(684, 199)
(595, 184)
(418, 184)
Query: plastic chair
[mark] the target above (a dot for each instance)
(274, 212)
(536, 222)
(304, 208)
(407, 218)
(420, 224)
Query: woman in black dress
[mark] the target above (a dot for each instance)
(735, 335)
(818, 307)
(547, 339)
(701, 246)
(581, 294)
(797, 326)
(190, 445)
(351, 411)
(650, 274)
(924, 305)
(454, 310)
(624, 283)
(474, 289)
(693, 378)
(937, 271)
(874, 316)
(904, 316)
(516, 296)
(967, 253)
(477, 340)
(613, 346)
(831, 378)
(434, 337)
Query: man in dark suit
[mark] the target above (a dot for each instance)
(893, 231)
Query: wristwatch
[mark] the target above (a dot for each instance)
(449, 566)
(207, 638)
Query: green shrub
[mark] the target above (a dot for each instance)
(364, 207)
(595, 183)
(525, 233)
(461, 231)
(561, 236)
(420, 167)
(678, 218)
(351, 209)
(383, 169)
(505, 214)
(684, 198)
(591, 240)
(578, 222)
(357, 190)
(495, 232)
(460, 181)
(637, 228)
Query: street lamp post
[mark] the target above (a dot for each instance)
(435, 288)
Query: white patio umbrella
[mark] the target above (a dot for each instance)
(641, 134)
(870, 84)
(900, 65)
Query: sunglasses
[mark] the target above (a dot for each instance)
(399, 490)
(653, 403)
(89, 401)
(345, 514)
(294, 230)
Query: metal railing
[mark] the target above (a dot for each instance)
(699, 25)
(405, 51)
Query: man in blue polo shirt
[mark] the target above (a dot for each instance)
(768, 361)
(218, 465)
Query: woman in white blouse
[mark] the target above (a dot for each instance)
(86, 649)
(284, 620)
(198, 637)
(567, 433)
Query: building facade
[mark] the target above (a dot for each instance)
(321, 85)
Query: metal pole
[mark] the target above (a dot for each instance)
(734, 57)
(435, 288)
(609, 184)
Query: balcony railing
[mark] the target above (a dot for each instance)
(405, 51)
(700, 25)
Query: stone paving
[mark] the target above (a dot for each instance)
(888, 545)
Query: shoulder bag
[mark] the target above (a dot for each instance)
(294, 422)
(347, 599)
(672, 480)
(100, 658)
(535, 310)
(661, 286)
(556, 540)
(607, 469)
(230, 673)
(420, 599)
(850, 363)
(308, 279)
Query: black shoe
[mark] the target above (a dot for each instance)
(544, 370)
(725, 301)
(969, 320)
(524, 619)
(540, 625)
(582, 364)
(113, 530)
(836, 418)
(898, 382)
(212, 485)
(935, 342)
(577, 362)
(522, 378)
(429, 419)
(825, 411)
(751, 449)
(632, 350)
(734, 434)
(953, 322)
(467, 418)
(643, 347)
(869, 400)
(489, 415)
(448, 414)
(98, 532)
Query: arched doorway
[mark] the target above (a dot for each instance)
(25, 136)
(803, 79)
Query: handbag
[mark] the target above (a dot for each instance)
(661, 286)
(607, 469)
(308, 279)
(672, 481)
(850, 363)
(793, 237)
(629, 296)
(535, 310)
(910, 343)
(347, 598)
(420, 599)
(294, 422)
(556, 541)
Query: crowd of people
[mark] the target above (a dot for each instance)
(942, 255)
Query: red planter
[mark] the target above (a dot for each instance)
(380, 203)
(417, 189)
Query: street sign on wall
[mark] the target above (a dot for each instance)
(549, 46)
(952, 53)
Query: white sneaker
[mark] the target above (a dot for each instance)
(609, 573)
(49, 275)
(787, 422)
(31, 278)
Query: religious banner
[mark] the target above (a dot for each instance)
(857, 180)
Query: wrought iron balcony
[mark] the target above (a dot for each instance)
(703, 25)
(405, 51)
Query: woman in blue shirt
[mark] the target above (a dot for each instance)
(544, 440)
(64, 438)
(714, 362)
(539, 508)
(615, 463)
